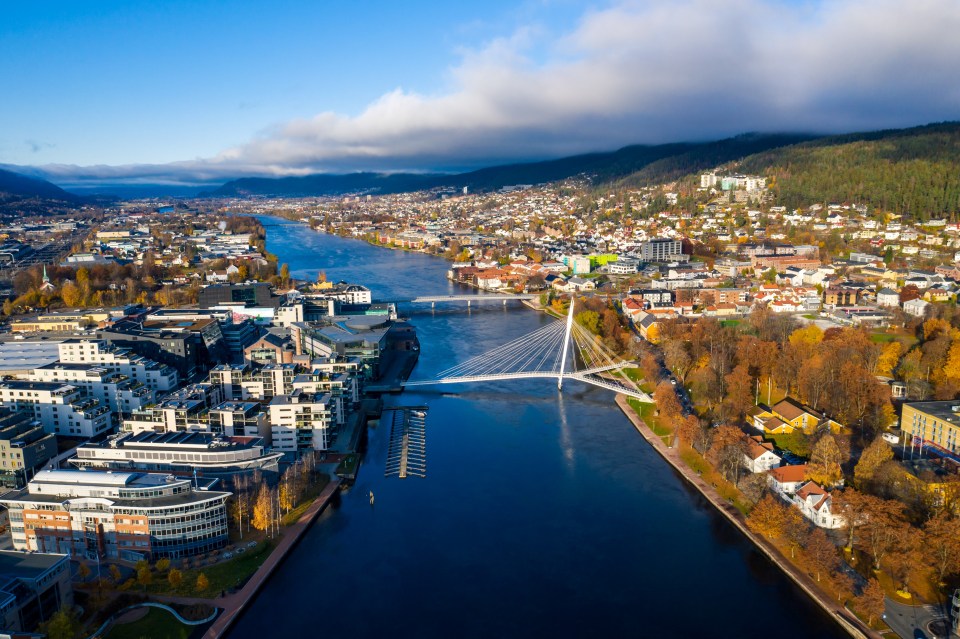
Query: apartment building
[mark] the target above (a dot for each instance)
(158, 377)
(33, 587)
(301, 421)
(117, 515)
(61, 408)
(116, 391)
(24, 447)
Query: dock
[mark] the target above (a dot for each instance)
(406, 453)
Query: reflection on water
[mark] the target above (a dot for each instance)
(543, 514)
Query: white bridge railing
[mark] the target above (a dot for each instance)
(543, 354)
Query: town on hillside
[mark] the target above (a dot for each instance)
(804, 361)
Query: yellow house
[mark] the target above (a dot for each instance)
(788, 415)
(803, 417)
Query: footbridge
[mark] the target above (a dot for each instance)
(433, 300)
(558, 351)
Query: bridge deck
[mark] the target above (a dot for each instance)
(584, 377)
(491, 297)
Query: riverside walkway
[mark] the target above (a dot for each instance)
(844, 618)
(233, 605)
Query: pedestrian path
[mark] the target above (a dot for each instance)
(234, 604)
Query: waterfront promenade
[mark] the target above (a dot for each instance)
(844, 618)
(233, 605)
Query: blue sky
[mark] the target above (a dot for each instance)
(203, 90)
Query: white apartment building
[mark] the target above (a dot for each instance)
(300, 421)
(61, 408)
(117, 392)
(159, 378)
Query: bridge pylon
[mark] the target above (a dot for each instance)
(566, 343)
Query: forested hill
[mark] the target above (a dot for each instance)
(915, 172)
(15, 187)
(679, 159)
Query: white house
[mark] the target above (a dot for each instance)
(888, 297)
(786, 480)
(917, 307)
(816, 505)
(759, 456)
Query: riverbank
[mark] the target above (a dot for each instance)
(234, 605)
(842, 616)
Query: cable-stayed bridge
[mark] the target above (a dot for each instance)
(433, 300)
(559, 350)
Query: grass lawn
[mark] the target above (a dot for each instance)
(646, 412)
(730, 323)
(809, 316)
(157, 624)
(314, 490)
(222, 576)
(882, 338)
(633, 373)
(796, 442)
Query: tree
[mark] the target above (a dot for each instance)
(202, 582)
(853, 505)
(884, 529)
(285, 274)
(163, 564)
(727, 450)
(824, 467)
(262, 509)
(63, 624)
(843, 584)
(590, 320)
(689, 428)
(174, 578)
(115, 573)
(870, 603)
(83, 571)
(739, 391)
(889, 356)
(71, 295)
(677, 358)
(941, 540)
(767, 517)
(909, 292)
(144, 576)
(821, 552)
(665, 398)
(872, 458)
(795, 528)
(288, 498)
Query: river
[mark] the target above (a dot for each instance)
(542, 514)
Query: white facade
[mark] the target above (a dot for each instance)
(159, 378)
(300, 421)
(917, 307)
(61, 408)
(816, 505)
(113, 390)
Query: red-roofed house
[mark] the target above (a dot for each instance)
(786, 480)
(816, 505)
(759, 456)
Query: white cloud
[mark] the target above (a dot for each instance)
(655, 71)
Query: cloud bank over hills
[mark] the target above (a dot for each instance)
(631, 72)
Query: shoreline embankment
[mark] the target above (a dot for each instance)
(234, 605)
(843, 617)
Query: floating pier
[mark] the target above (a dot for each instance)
(407, 451)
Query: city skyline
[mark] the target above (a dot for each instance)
(203, 92)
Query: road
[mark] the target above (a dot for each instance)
(906, 620)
